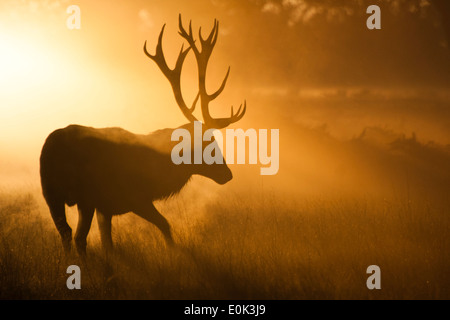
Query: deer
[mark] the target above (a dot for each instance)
(112, 171)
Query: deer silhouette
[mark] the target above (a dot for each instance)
(112, 171)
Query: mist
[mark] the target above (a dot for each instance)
(363, 118)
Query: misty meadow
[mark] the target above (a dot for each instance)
(258, 244)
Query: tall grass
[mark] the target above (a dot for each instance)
(263, 248)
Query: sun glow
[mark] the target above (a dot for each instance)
(26, 68)
(22, 60)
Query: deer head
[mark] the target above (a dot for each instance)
(218, 172)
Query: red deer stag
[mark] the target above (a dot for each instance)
(113, 171)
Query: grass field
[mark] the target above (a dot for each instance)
(263, 247)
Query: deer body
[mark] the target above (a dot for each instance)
(111, 168)
(113, 171)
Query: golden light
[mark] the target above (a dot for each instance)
(26, 67)
(23, 60)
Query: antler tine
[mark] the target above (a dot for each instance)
(225, 122)
(161, 61)
(173, 75)
(182, 31)
(159, 55)
(238, 116)
(190, 28)
(209, 43)
(222, 86)
(189, 37)
(180, 60)
(212, 38)
(213, 43)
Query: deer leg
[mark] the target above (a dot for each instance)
(85, 214)
(58, 212)
(152, 215)
(104, 224)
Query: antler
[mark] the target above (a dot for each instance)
(202, 56)
(173, 75)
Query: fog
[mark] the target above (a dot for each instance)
(364, 144)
